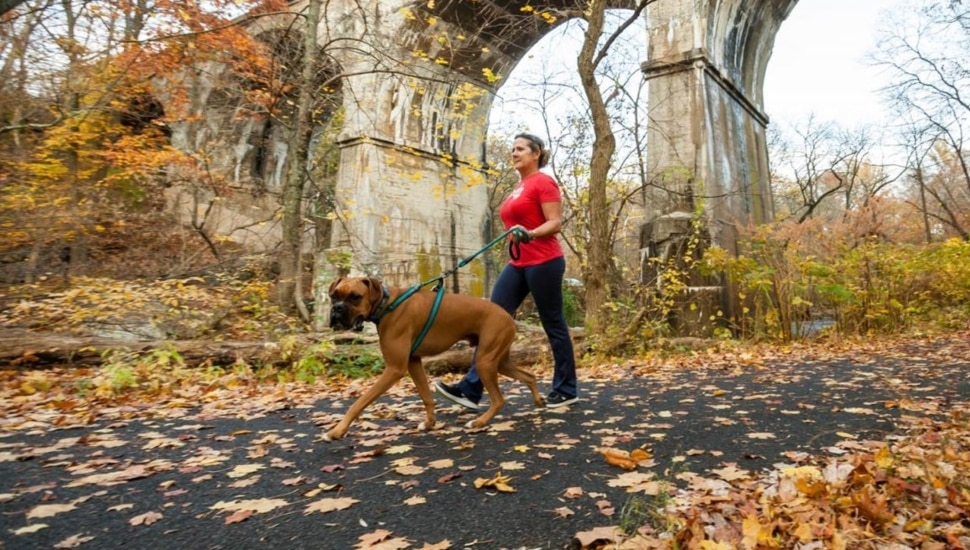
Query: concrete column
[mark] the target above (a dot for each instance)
(707, 149)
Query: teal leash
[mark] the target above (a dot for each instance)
(439, 288)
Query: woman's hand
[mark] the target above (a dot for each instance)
(519, 234)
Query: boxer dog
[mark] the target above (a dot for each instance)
(479, 322)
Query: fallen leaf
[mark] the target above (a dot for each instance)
(415, 500)
(259, 506)
(73, 541)
(502, 426)
(499, 483)
(276, 462)
(587, 539)
(449, 477)
(859, 410)
(410, 470)
(131, 473)
(443, 545)
(244, 470)
(731, 472)
(442, 464)
(238, 516)
(26, 530)
(605, 507)
(48, 510)
(245, 482)
(564, 512)
(573, 492)
(147, 518)
(382, 539)
(636, 482)
(330, 504)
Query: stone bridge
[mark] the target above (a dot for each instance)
(410, 189)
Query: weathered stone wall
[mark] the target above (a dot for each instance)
(409, 217)
(411, 192)
(706, 62)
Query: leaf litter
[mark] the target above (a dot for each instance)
(909, 489)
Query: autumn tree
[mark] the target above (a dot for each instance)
(822, 170)
(92, 141)
(594, 50)
(924, 49)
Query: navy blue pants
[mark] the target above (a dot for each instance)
(544, 282)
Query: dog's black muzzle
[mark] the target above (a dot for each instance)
(340, 318)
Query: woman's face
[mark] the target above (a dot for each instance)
(523, 157)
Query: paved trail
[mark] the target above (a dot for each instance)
(168, 479)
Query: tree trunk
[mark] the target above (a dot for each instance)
(296, 177)
(604, 145)
(77, 258)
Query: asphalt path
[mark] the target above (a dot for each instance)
(172, 478)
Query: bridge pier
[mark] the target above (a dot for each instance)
(707, 146)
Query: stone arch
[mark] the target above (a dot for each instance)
(705, 62)
(410, 196)
(413, 171)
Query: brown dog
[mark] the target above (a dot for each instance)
(459, 317)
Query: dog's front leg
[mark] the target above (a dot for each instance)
(420, 379)
(388, 378)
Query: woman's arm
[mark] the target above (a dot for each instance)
(552, 211)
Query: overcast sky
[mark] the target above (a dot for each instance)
(817, 66)
(818, 63)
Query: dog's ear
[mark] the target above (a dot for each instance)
(375, 289)
(334, 284)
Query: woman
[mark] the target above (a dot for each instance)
(535, 207)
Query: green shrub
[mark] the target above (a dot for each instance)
(862, 289)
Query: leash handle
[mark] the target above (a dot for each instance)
(464, 261)
(521, 235)
(515, 252)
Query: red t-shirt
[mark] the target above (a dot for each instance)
(524, 207)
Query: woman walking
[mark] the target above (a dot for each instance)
(535, 209)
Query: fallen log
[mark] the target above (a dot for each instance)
(23, 349)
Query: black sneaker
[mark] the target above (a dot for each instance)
(453, 394)
(556, 399)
